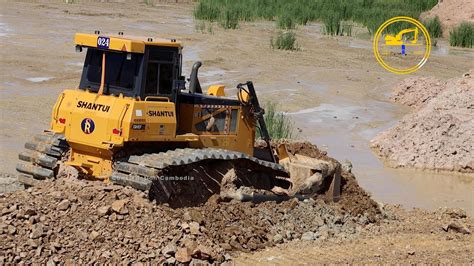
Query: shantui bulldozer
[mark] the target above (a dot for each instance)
(132, 121)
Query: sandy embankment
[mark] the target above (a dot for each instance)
(451, 13)
(439, 133)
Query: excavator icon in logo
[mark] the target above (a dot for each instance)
(399, 40)
(87, 125)
(402, 48)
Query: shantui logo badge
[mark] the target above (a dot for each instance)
(87, 125)
(402, 45)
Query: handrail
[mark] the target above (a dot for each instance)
(159, 98)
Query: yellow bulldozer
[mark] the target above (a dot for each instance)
(133, 121)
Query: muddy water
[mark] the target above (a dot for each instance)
(344, 129)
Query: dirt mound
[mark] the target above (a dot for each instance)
(451, 13)
(415, 92)
(439, 135)
(86, 221)
(72, 220)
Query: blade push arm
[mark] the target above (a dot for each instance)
(258, 112)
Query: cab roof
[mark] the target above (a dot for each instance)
(131, 44)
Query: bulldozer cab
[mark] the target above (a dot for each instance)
(134, 68)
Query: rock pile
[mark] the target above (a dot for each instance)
(80, 221)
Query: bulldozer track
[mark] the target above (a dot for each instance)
(139, 171)
(41, 157)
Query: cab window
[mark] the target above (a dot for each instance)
(120, 71)
(161, 71)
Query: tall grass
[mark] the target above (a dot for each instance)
(370, 13)
(286, 22)
(433, 26)
(284, 41)
(279, 125)
(463, 35)
(229, 20)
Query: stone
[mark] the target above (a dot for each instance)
(50, 263)
(346, 166)
(204, 252)
(38, 251)
(193, 215)
(226, 246)
(185, 226)
(119, 207)
(293, 203)
(11, 229)
(171, 260)
(308, 236)
(318, 221)
(64, 205)
(34, 243)
(104, 210)
(189, 243)
(169, 250)
(457, 227)
(54, 245)
(140, 201)
(456, 213)
(36, 231)
(194, 228)
(278, 239)
(93, 235)
(56, 195)
(183, 255)
(30, 211)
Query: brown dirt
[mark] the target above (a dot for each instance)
(439, 135)
(355, 200)
(415, 91)
(451, 13)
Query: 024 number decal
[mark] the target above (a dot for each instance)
(103, 42)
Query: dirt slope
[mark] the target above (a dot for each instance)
(451, 13)
(416, 92)
(439, 134)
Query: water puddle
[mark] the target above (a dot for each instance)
(4, 29)
(212, 73)
(344, 129)
(359, 44)
(39, 79)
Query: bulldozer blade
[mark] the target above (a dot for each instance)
(256, 197)
(334, 192)
(309, 176)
